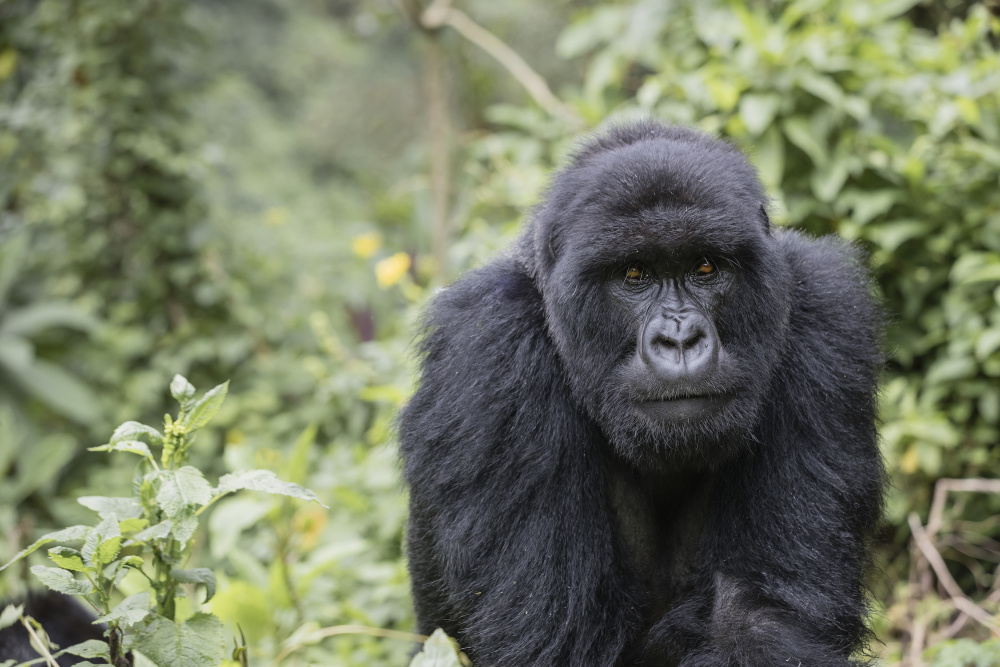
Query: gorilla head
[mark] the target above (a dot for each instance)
(664, 290)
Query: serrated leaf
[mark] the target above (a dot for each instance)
(107, 507)
(67, 559)
(62, 581)
(263, 480)
(92, 550)
(155, 532)
(439, 650)
(203, 411)
(198, 575)
(182, 488)
(71, 534)
(181, 389)
(136, 431)
(130, 611)
(185, 525)
(197, 642)
(10, 614)
(107, 551)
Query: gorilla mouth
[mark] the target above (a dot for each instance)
(684, 406)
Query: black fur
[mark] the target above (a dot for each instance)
(66, 621)
(554, 522)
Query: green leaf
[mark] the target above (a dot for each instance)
(181, 390)
(182, 488)
(13, 251)
(71, 534)
(988, 343)
(800, 132)
(62, 581)
(92, 648)
(155, 532)
(106, 507)
(263, 480)
(197, 642)
(10, 615)
(198, 575)
(35, 318)
(136, 431)
(67, 559)
(103, 543)
(130, 611)
(439, 650)
(130, 446)
(827, 181)
(58, 389)
(758, 111)
(203, 411)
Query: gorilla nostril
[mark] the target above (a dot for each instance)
(694, 339)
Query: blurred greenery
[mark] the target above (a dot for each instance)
(243, 189)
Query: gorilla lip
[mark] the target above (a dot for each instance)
(684, 406)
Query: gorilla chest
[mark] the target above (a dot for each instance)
(660, 518)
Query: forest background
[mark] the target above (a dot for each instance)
(266, 191)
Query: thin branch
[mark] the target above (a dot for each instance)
(958, 598)
(441, 13)
(946, 486)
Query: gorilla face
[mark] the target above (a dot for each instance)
(666, 295)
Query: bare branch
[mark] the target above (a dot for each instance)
(958, 598)
(946, 486)
(441, 13)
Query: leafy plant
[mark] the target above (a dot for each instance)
(151, 533)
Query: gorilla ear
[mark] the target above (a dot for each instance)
(765, 219)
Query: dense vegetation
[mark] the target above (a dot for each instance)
(264, 191)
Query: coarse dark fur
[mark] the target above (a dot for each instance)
(64, 619)
(579, 497)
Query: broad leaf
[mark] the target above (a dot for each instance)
(130, 611)
(62, 581)
(197, 642)
(206, 408)
(198, 575)
(183, 488)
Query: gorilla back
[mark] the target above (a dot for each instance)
(646, 434)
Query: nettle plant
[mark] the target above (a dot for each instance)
(151, 532)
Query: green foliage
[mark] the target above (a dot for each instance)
(440, 650)
(240, 190)
(152, 533)
(964, 653)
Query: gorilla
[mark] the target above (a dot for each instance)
(646, 434)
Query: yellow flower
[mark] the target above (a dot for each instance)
(275, 217)
(366, 245)
(8, 61)
(390, 270)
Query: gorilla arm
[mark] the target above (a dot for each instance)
(510, 539)
(783, 559)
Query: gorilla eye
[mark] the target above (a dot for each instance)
(636, 276)
(704, 267)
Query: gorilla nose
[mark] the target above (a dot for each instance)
(680, 346)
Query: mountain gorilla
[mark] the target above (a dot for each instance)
(646, 434)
